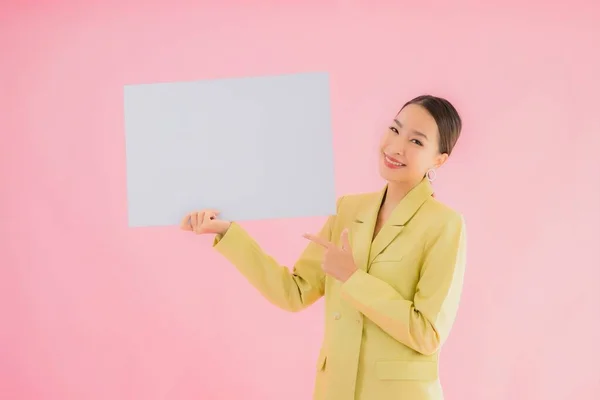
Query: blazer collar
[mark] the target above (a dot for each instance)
(366, 247)
(404, 211)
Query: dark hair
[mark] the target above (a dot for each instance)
(445, 115)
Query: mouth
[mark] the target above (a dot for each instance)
(392, 162)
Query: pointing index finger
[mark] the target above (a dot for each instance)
(317, 240)
(345, 240)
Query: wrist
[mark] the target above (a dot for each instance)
(225, 228)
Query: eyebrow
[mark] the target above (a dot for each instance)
(415, 132)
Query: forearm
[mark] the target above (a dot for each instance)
(281, 287)
(397, 316)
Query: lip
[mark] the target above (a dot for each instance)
(389, 160)
(393, 159)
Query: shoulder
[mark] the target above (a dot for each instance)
(350, 203)
(356, 198)
(440, 217)
(436, 209)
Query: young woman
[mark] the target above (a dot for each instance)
(390, 265)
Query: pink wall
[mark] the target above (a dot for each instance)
(93, 310)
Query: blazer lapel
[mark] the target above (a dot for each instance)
(400, 216)
(364, 227)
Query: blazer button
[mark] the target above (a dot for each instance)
(337, 315)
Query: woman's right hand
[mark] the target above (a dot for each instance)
(204, 221)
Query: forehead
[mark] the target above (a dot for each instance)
(416, 118)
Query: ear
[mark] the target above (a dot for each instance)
(440, 159)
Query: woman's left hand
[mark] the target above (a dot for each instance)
(337, 261)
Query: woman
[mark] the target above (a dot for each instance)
(390, 265)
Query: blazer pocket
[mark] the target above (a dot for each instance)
(383, 259)
(407, 370)
(390, 257)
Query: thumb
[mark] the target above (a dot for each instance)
(345, 240)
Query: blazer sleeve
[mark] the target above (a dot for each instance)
(424, 323)
(289, 290)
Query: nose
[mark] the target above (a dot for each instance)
(396, 147)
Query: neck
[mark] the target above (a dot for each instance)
(396, 191)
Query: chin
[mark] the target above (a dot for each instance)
(394, 176)
(385, 174)
(389, 175)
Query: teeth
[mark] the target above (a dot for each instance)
(393, 162)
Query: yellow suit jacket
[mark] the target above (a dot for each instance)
(385, 325)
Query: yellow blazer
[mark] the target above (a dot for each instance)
(385, 325)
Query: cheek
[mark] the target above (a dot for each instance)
(383, 142)
(418, 158)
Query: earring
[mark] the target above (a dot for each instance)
(431, 174)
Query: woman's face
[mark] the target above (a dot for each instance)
(410, 147)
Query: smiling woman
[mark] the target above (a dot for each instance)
(390, 265)
(420, 139)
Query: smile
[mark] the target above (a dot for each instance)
(391, 163)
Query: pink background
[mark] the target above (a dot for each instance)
(93, 310)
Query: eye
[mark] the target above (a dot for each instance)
(417, 142)
(393, 129)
